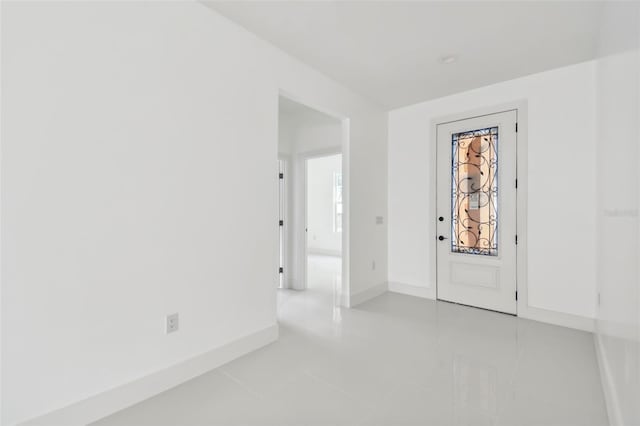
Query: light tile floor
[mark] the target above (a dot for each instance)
(395, 360)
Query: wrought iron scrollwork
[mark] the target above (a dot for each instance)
(474, 192)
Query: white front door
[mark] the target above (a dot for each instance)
(476, 211)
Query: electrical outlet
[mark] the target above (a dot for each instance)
(379, 220)
(172, 323)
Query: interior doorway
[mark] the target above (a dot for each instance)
(313, 206)
(324, 212)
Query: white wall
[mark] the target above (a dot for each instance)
(127, 127)
(321, 237)
(618, 256)
(561, 196)
(308, 132)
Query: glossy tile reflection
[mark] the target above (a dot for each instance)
(395, 360)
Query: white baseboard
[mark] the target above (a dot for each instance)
(557, 318)
(527, 312)
(368, 294)
(412, 290)
(99, 406)
(610, 393)
(293, 284)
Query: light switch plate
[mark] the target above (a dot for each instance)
(172, 323)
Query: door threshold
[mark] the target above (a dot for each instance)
(477, 307)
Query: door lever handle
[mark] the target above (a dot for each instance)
(442, 238)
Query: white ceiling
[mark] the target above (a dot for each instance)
(389, 51)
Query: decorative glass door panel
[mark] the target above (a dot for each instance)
(474, 192)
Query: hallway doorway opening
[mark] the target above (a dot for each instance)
(313, 201)
(324, 210)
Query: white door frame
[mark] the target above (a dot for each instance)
(345, 298)
(521, 194)
(286, 160)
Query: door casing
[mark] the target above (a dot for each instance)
(520, 106)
